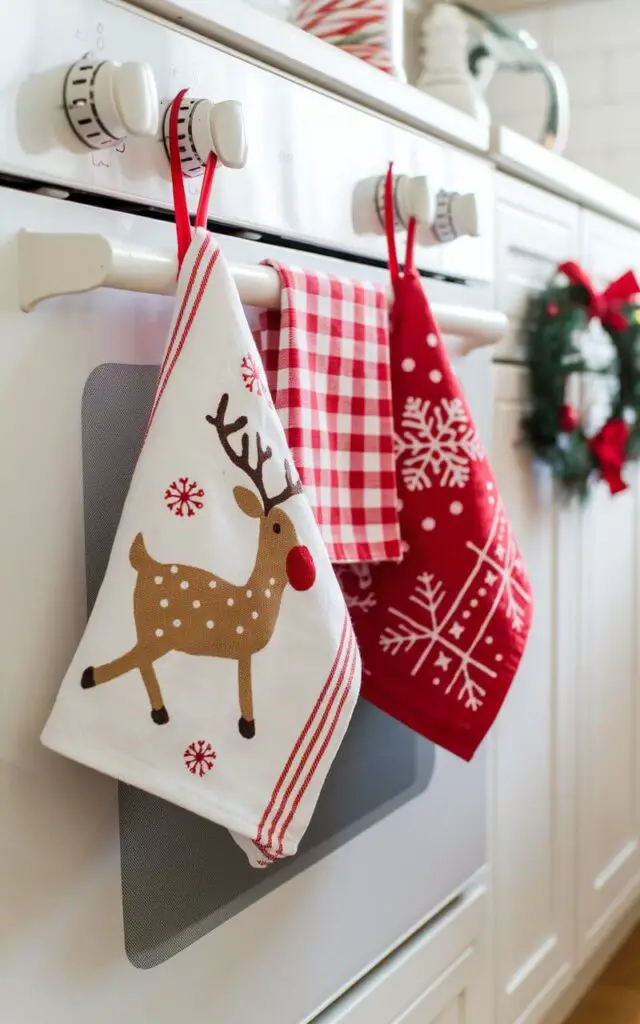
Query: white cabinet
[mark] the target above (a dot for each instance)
(566, 754)
(607, 249)
(534, 233)
(439, 976)
(608, 704)
(532, 853)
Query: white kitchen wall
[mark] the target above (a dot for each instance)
(597, 45)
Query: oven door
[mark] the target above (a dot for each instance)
(117, 905)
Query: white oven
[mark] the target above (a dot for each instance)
(115, 905)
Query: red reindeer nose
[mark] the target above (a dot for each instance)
(301, 571)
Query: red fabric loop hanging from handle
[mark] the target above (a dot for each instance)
(183, 224)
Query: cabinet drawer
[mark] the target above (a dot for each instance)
(436, 977)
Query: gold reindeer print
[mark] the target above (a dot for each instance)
(190, 610)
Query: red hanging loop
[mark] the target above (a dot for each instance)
(411, 239)
(205, 194)
(183, 223)
(389, 223)
(183, 227)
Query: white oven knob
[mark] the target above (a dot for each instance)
(456, 214)
(412, 197)
(105, 101)
(205, 127)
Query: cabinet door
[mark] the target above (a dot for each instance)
(533, 751)
(607, 249)
(535, 232)
(608, 856)
(608, 712)
(439, 976)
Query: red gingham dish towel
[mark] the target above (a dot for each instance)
(326, 357)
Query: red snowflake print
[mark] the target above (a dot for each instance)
(253, 377)
(183, 496)
(199, 758)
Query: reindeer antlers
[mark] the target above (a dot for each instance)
(255, 473)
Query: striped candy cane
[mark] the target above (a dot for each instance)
(362, 28)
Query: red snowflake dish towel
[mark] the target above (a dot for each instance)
(442, 633)
(326, 357)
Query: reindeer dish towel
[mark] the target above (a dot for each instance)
(219, 669)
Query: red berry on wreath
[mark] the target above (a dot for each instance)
(569, 419)
(552, 309)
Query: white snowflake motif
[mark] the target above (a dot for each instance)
(409, 632)
(183, 496)
(362, 601)
(253, 377)
(501, 564)
(199, 758)
(437, 442)
(443, 629)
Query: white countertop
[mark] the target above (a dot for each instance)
(523, 158)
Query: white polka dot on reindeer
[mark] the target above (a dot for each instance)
(428, 523)
(239, 630)
(254, 615)
(213, 584)
(184, 585)
(158, 579)
(435, 376)
(164, 603)
(159, 632)
(196, 604)
(249, 593)
(177, 622)
(210, 624)
(272, 582)
(455, 508)
(174, 569)
(408, 365)
(230, 602)
(267, 593)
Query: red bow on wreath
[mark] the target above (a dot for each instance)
(605, 306)
(609, 447)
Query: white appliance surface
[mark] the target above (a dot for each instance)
(115, 906)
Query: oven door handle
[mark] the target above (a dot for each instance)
(53, 264)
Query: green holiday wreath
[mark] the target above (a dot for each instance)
(554, 429)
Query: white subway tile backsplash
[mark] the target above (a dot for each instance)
(623, 73)
(594, 25)
(625, 170)
(597, 45)
(587, 78)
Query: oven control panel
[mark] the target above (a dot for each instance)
(80, 110)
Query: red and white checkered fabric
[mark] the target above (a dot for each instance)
(326, 358)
